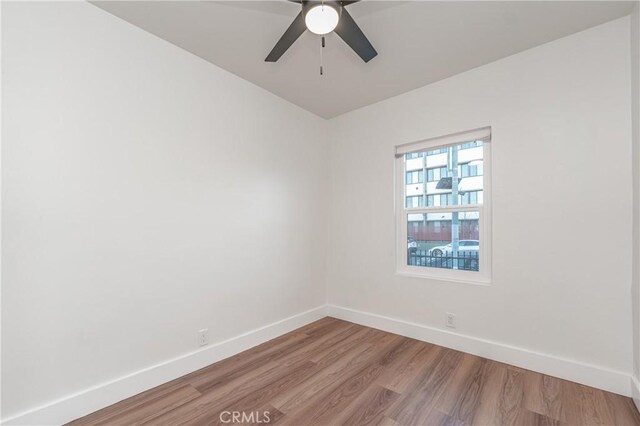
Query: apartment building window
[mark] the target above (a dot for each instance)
(469, 170)
(415, 201)
(448, 217)
(434, 174)
(415, 176)
(413, 155)
(470, 197)
(439, 200)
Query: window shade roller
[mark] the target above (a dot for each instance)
(483, 134)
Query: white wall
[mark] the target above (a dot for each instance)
(635, 160)
(561, 208)
(146, 194)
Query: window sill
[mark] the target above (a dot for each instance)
(481, 281)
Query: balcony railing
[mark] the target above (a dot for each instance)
(465, 260)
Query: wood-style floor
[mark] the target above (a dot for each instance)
(333, 372)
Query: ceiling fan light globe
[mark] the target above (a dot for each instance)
(321, 19)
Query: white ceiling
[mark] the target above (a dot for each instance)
(418, 42)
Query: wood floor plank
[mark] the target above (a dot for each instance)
(274, 414)
(530, 418)
(253, 401)
(333, 372)
(332, 353)
(511, 399)
(438, 418)
(321, 411)
(388, 421)
(218, 398)
(416, 404)
(458, 383)
(586, 404)
(543, 395)
(468, 398)
(328, 376)
(411, 349)
(487, 410)
(399, 377)
(623, 409)
(338, 395)
(368, 408)
(396, 353)
(343, 338)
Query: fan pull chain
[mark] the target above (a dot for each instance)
(321, 49)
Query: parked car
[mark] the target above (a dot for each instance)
(412, 246)
(464, 246)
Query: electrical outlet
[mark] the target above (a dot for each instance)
(203, 337)
(450, 320)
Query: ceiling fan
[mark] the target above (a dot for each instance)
(321, 17)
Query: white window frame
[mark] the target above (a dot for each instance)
(483, 276)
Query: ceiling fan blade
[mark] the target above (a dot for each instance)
(349, 31)
(345, 2)
(294, 31)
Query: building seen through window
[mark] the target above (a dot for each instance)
(436, 181)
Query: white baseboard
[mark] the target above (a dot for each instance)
(89, 400)
(635, 391)
(575, 371)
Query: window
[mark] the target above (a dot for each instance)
(415, 176)
(471, 197)
(415, 201)
(467, 170)
(447, 218)
(434, 174)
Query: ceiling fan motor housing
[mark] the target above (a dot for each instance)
(309, 4)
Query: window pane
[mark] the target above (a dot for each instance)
(413, 202)
(471, 197)
(442, 184)
(430, 240)
(436, 173)
(415, 177)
